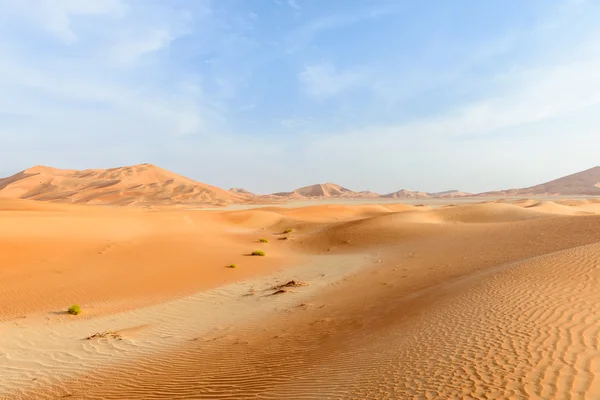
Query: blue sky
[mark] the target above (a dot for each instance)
(271, 95)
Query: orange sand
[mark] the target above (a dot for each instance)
(490, 300)
(109, 259)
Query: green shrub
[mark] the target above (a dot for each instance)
(75, 309)
(263, 240)
(232, 266)
(288, 230)
(258, 253)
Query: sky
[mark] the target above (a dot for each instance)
(271, 95)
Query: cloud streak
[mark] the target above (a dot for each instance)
(324, 80)
(56, 17)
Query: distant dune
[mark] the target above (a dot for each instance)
(149, 185)
(331, 190)
(143, 184)
(325, 190)
(406, 194)
(242, 192)
(450, 193)
(584, 183)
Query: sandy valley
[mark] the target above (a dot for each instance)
(494, 299)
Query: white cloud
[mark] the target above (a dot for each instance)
(55, 16)
(311, 30)
(324, 80)
(55, 84)
(530, 95)
(294, 5)
(176, 113)
(130, 50)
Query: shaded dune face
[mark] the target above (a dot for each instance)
(489, 300)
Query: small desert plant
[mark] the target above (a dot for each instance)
(105, 334)
(232, 266)
(75, 309)
(258, 253)
(263, 240)
(288, 230)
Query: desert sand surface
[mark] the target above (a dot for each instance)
(491, 300)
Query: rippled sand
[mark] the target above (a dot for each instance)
(483, 301)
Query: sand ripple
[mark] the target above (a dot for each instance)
(528, 330)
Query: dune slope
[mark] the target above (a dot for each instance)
(584, 183)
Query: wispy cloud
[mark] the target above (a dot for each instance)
(82, 72)
(294, 5)
(324, 80)
(128, 51)
(56, 17)
(529, 95)
(117, 82)
(305, 34)
(298, 124)
(529, 116)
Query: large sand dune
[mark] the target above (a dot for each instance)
(584, 183)
(489, 300)
(143, 184)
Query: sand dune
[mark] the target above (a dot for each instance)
(406, 194)
(322, 191)
(489, 300)
(335, 212)
(150, 186)
(487, 213)
(555, 208)
(242, 192)
(584, 183)
(51, 256)
(143, 184)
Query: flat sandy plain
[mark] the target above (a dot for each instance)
(493, 300)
